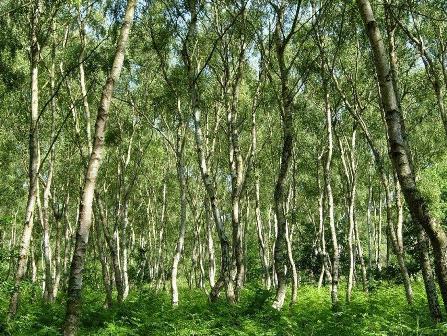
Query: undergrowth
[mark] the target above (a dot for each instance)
(381, 312)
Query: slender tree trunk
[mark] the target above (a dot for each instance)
(68, 238)
(272, 218)
(320, 232)
(395, 235)
(102, 259)
(330, 200)
(57, 253)
(112, 244)
(161, 238)
(201, 269)
(427, 274)
(376, 231)
(281, 256)
(261, 239)
(362, 259)
(48, 294)
(351, 242)
(116, 256)
(349, 165)
(431, 69)
(327, 169)
(326, 262)
(378, 252)
(49, 283)
(210, 240)
(259, 224)
(369, 224)
(85, 210)
(82, 84)
(182, 222)
(192, 66)
(33, 267)
(289, 236)
(400, 152)
(225, 278)
(12, 246)
(33, 159)
(125, 249)
(236, 167)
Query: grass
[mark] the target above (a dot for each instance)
(381, 312)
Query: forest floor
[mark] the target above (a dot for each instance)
(382, 312)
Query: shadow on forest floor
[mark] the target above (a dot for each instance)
(382, 312)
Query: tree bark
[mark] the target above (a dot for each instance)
(261, 238)
(125, 249)
(376, 231)
(427, 274)
(48, 294)
(362, 259)
(210, 245)
(192, 67)
(236, 164)
(58, 213)
(399, 149)
(179, 147)
(112, 244)
(330, 200)
(85, 209)
(281, 256)
(103, 261)
(395, 234)
(160, 267)
(34, 160)
(82, 83)
(349, 165)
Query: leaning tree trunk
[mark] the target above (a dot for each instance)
(33, 160)
(85, 208)
(395, 233)
(399, 149)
